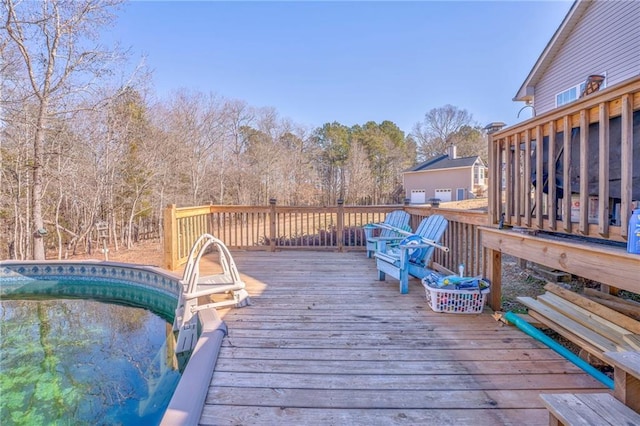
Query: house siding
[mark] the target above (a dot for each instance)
(439, 179)
(605, 39)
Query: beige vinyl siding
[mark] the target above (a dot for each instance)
(605, 39)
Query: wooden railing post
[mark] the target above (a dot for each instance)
(493, 176)
(583, 222)
(170, 238)
(272, 224)
(340, 230)
(495, 173)
(493, 268)
(626, 167)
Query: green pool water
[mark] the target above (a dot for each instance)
(83, 362)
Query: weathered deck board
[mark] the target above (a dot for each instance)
(232, 415)
(410, 380)
(325, 342)
(441, 367)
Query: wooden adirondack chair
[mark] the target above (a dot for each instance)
(413, 254)
(394, 221)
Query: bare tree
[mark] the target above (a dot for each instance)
(52, 39)
(194, 123)
(360, 185)
(299, 179)
(440, 129)
(238, 115)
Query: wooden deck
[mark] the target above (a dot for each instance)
(325, 342)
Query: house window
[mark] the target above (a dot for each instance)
(478, 175)
(573, 93)
(569, 95)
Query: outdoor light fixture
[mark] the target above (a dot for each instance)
(592, 84)
(494, 127)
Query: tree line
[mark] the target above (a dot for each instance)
(83, 144)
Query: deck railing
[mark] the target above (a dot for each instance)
(337, 228)
(268, 227)
(581, 181)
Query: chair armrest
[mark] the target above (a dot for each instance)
(369, 228)
(386, 243)
(389, 238)
(419, 259)
(413, 246)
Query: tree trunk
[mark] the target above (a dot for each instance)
(37, 188)
(57, 225)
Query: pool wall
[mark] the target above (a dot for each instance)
(148, 277)
(187, 402)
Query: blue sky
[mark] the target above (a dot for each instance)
(350, 62)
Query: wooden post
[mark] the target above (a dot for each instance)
(517, 173)
(209, 221)
(340, 230)
(170, 238)
(583, 224)
(495, 172)
(494, 273)
(527, 178)
(627, 388)
(626, 376)
(539, 176)
(551, 177)
(272, 224)
(626, 168)
(566, 175)
(491, 207)
(522, 263)
(603, 170)
(508, 179)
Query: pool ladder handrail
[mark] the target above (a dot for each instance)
(194, 287)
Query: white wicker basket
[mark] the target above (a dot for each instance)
(470, 301)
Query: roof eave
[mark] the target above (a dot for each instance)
(440, 169)
(526, 89)
(525, 95)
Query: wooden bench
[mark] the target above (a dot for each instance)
(602, 408)
(588, 409)
(626, 377)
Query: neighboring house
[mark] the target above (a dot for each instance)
(446, 178)
(597, 38)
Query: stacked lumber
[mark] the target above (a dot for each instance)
(627, 307)
(591, 325)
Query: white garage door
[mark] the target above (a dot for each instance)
(418, 196)
(443, 194)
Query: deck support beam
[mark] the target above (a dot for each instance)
(609, 265)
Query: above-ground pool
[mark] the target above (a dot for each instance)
(70, 358)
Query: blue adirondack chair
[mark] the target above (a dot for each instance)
(413, 254)
(395, 221)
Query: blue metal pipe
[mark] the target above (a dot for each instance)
(539, 335)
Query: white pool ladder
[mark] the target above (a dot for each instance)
(194, 287)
